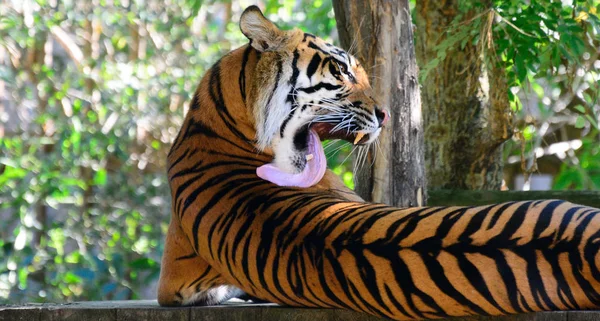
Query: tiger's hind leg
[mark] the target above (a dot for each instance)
(186, 279)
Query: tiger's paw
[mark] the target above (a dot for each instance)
(248, 297)
(213, 296)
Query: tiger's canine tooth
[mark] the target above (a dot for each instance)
(309, 157)
(359, 136)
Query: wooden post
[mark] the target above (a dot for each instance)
(380, 34)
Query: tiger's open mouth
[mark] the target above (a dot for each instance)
(328, 131)
(311, 154)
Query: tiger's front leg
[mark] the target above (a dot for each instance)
(186, 279)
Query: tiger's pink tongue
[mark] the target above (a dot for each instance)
(312, 173)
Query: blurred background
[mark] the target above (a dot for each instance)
(93, 92)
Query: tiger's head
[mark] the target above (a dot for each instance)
(305, 90)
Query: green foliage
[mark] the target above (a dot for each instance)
(548, 50)
(96, 92)
(585, 172)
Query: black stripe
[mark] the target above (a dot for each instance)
(214, 200)
(199, 128)
(319, 86)
(275, 86)
(514, 223)
(577, 263)
(314, 46)
(308, 35)
(509, 280)
(499, 212)
(187, 257)
(195, 103)
(242, 78)
(367, 273)
(179, 159)
(397, 305)
(313, 65)
(289, 115)
(217, 97)
(562, 285)
(295, 69)
(246, 261)
(303, 277)
(178, 139)
(301, 138)
(338, 274)
(592, 248)
(210, 183)
(275, 279)
(405, 281)
(216, 94)
(247, 160)
(202, 276)
(545, 218)
(202, 172)
(292, 273)
(472, 274)
(361, 111)
(333, 70)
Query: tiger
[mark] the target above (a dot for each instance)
(254, 213)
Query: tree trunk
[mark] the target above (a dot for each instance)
(466, 111)
(379, 33)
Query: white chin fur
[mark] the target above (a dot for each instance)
(285, 154)
(287, 157)
(374, 136)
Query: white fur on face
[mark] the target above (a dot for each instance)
(270, 118)
(288, 156)
(281, 120)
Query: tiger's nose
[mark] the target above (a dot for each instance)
(382, 116)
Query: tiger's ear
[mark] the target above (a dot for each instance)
(262, 33)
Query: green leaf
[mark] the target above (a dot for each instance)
(520, 68)
(71, 278)
(7, 23)
(143, 264)
(580, 109)
(580, 122)
(349, 179)
(592, 121)
(538, 89)
(529, 132)
(100, 177)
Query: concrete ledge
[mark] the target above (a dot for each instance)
(149, 310)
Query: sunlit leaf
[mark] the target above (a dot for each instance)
(580, 122)
(100, 177)
(142, 264)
